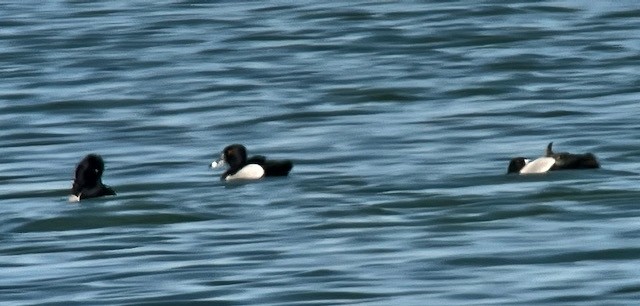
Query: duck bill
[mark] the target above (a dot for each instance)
(217, 163)
(74, 198)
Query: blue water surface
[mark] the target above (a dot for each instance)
(400, 118)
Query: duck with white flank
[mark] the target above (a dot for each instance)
(552, 162)
(242, 168)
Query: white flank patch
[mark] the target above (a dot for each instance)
(540, 165)
(74, 198)
(248, 172)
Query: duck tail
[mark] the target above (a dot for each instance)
(549, 151)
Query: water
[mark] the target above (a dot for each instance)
(400, 119)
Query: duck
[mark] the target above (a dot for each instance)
(552, 162)
(242, 168)
(88, 179)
